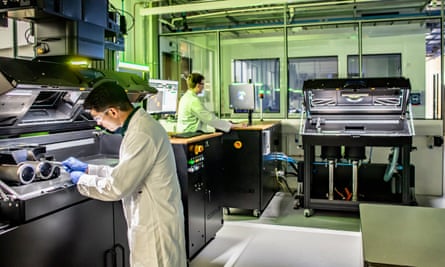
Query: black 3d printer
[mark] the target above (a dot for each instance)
(344, 118)
(42, 122)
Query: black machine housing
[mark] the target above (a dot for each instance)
(343, 118)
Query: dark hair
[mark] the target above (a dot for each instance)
(107, 94)
(194, 79)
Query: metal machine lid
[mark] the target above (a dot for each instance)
(39, 96)
(37, 74)
(136, 87)
(357, 107)
(356, 96)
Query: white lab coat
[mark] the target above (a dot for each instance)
(146, 181)
(193, 116)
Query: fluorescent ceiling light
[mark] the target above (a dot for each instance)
(133, 66)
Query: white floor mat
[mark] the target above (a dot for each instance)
(244, 244)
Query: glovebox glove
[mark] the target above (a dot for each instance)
(75, 175)
(72, 164)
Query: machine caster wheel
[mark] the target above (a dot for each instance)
(297, 204)
(308, 212)
(226, 211)
(256, 213)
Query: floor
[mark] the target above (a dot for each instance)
(282, 236)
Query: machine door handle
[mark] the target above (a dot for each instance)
(118, 247)
(110, 255)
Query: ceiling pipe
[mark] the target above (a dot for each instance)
(193, 7)
(224, 13)
(230, 4)
(296, 8)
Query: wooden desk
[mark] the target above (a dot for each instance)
(175, 140)
(402, 235)
(257, 125)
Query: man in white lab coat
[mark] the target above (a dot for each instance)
(145, 179)
(192, 115)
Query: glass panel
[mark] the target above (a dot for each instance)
(318, 51)
(301, 69)
(388, 65)
(184, 54)
(253, 56)
(25, 39)
(6, 42)
(406, 38)
(265, 75)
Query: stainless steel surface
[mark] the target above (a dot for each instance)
(40, 188)
(331, 180)
(354, 180)
(3, 193)
(49, 172)
(25, 202)
(23, 173)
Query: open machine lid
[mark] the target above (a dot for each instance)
(365, 106)
(356, 96)
(38, 96)
(42, 96)
(21, 73)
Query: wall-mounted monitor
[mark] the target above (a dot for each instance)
(242, 98)
(165, 100)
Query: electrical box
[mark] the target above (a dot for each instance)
(64, 38)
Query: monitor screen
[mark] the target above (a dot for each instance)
(242, 97)
(165, 100)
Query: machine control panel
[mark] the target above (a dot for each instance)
(195, 163)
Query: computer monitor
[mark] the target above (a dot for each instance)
(165, 100)
(242, 98)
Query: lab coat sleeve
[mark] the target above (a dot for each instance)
(209, 118)
(114, 183)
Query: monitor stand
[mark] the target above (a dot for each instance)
(250, 117)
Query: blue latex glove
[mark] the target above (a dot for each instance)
(72, 164)
(75, 175)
